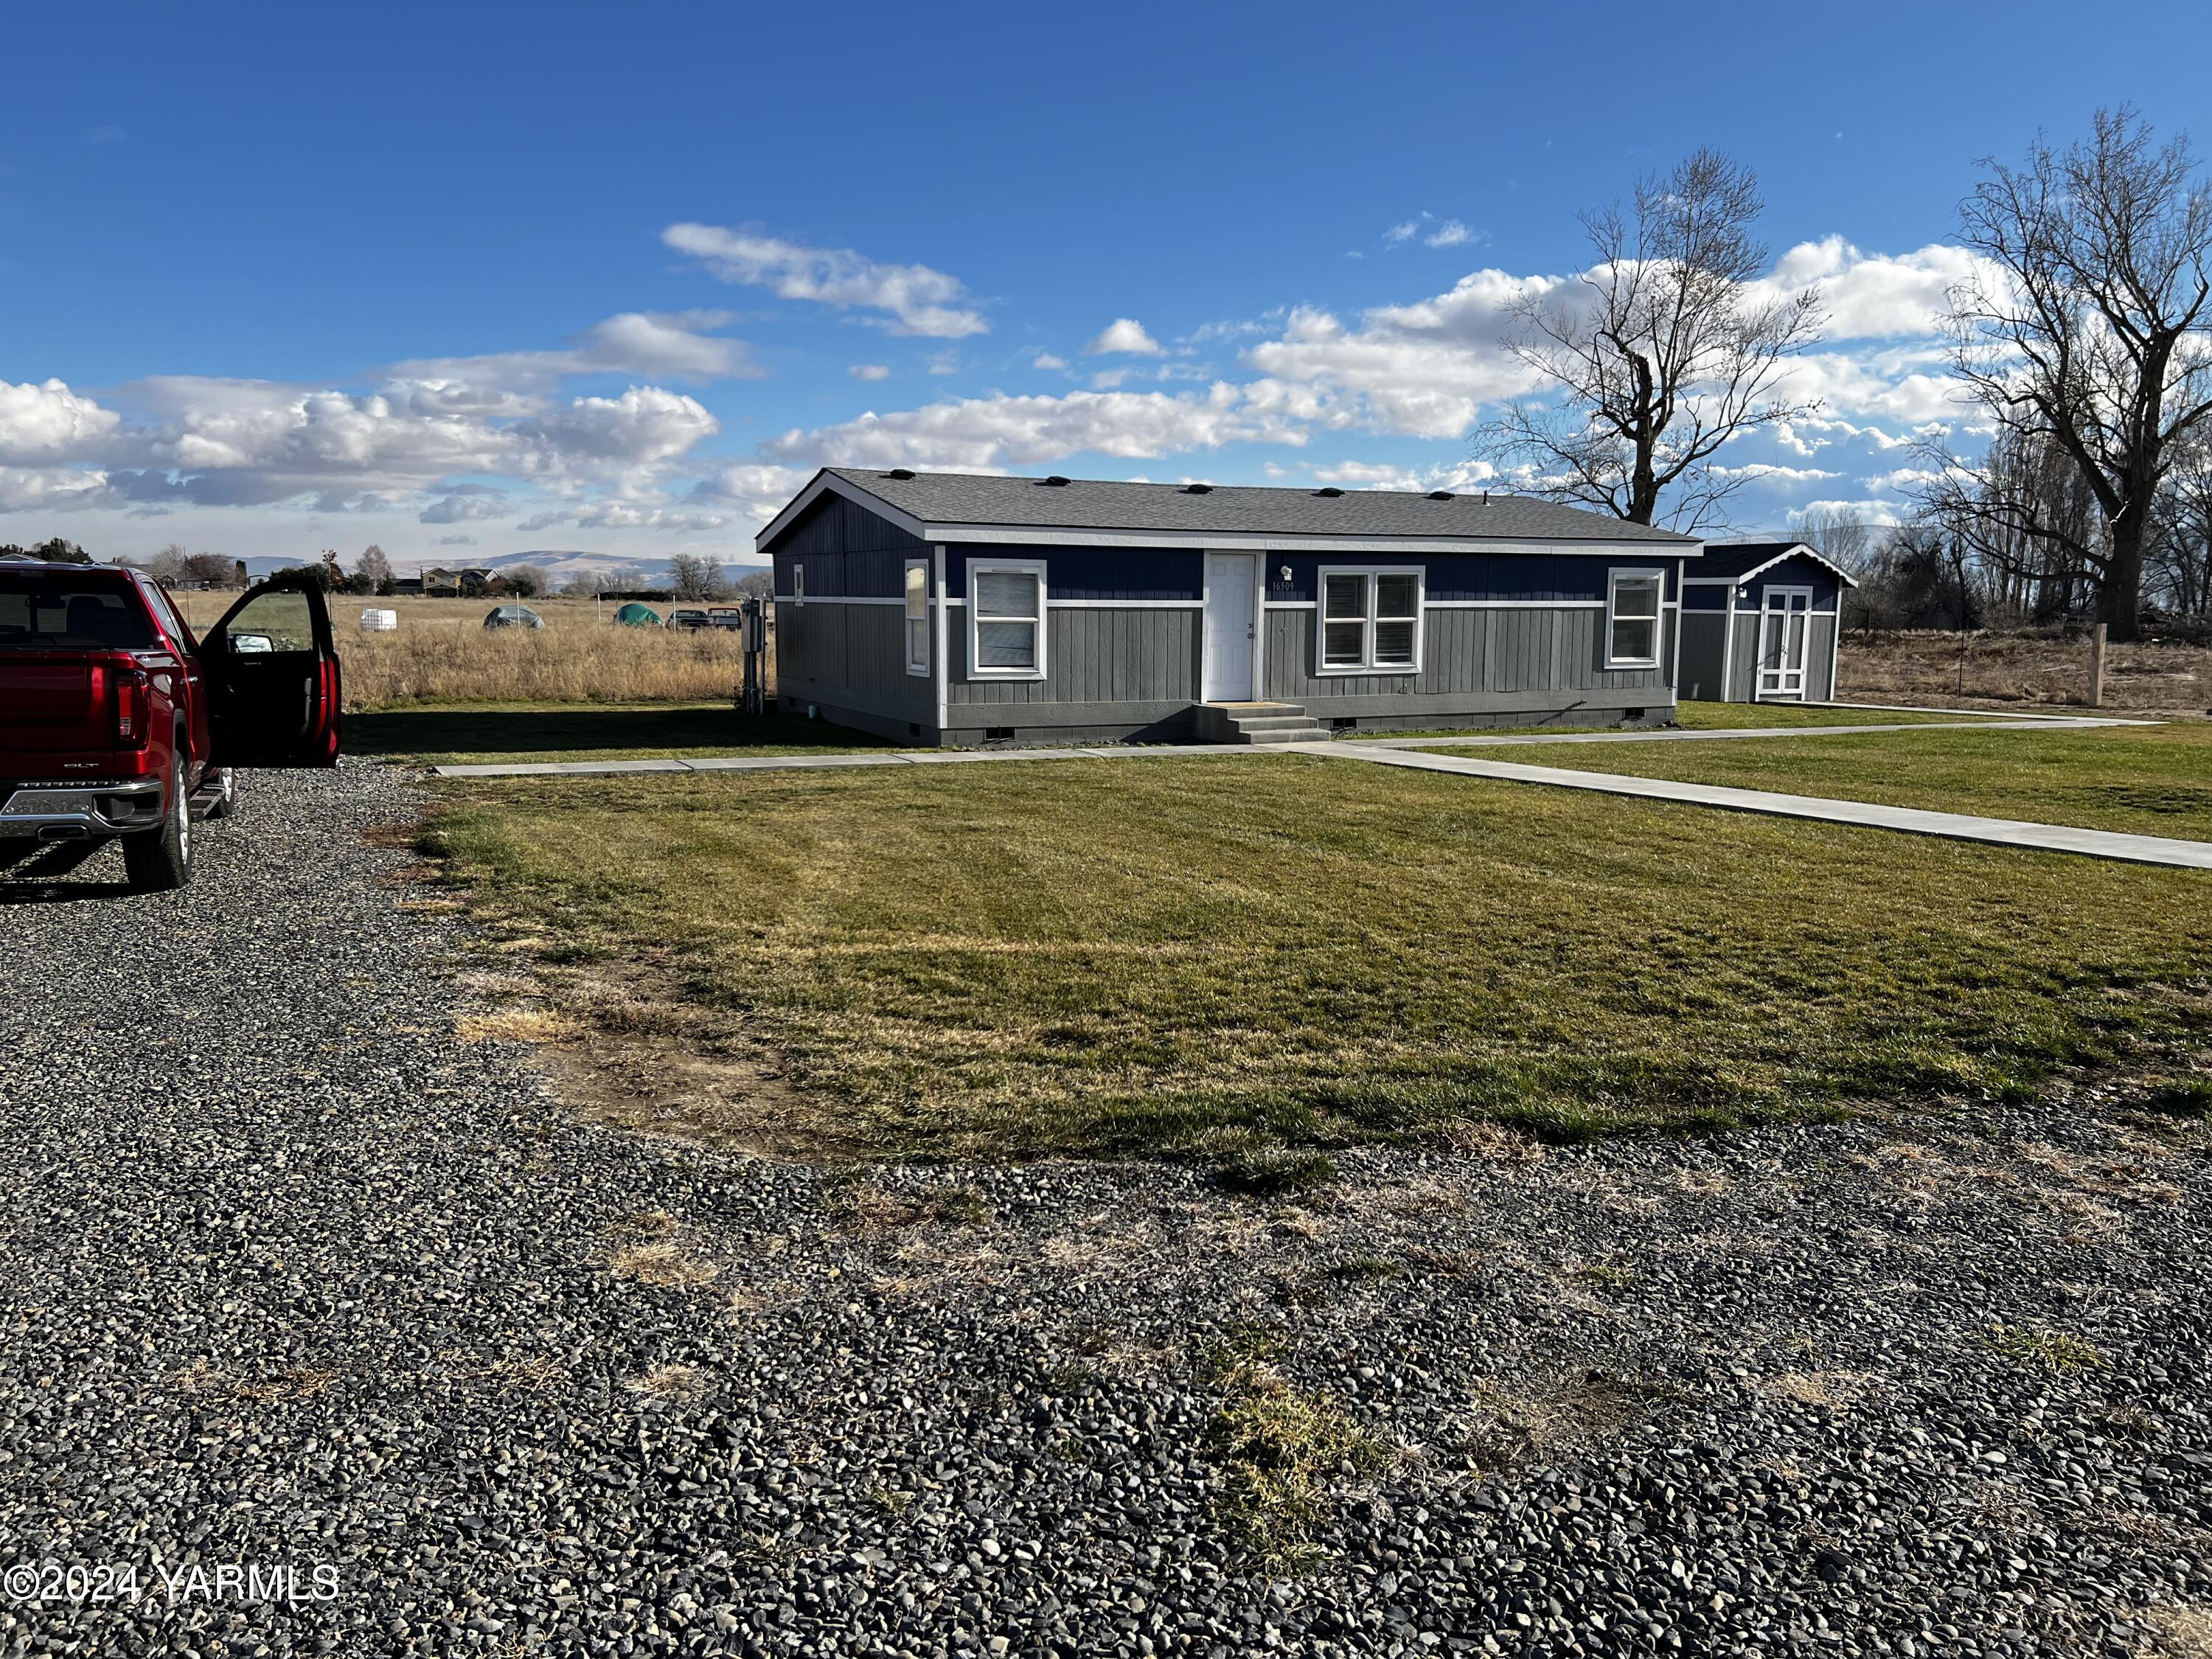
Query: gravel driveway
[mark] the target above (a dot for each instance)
(299, 1276)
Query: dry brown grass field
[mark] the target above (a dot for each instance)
(442, 653)
(1990, 669)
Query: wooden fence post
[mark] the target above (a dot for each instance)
(2097, 666)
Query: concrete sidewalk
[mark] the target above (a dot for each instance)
(1912, 820)
(943, 756)
(1675, 734)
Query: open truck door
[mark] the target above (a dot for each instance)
(271, 670)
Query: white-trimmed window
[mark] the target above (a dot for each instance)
(798, 581)
(1370, 620)
(917, 615)
(1006, 619)
(1632, 619)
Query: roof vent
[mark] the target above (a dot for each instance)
(1198, 489)
(1057, 481)
(1440, 495)
(1486, 498)
(900, 472)
(1329, 491)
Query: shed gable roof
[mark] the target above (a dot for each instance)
(955, 505)
(1739, 559)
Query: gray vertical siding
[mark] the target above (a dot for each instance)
(851, 657)
(1476, 651)
(1704, 637)
(1093, 656)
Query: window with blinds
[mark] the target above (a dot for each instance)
(917, 615)
(1371, 622)
(1005, 621)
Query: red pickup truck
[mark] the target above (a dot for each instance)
(116, 724)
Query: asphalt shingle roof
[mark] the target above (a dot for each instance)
(956, 498)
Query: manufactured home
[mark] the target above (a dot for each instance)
(1762, 623)
(947, 608)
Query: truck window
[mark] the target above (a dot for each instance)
(46, 611)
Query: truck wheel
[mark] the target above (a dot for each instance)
(161, 860)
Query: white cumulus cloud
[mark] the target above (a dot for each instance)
(1125, 334)
(915, 298)
(976, 434)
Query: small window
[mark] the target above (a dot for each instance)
(1005, 613)
(799, 584)
(917, 615)
(1632, 617)
(1371, 622)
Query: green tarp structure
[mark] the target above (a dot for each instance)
(638, 615)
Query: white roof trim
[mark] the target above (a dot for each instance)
(1051, 535)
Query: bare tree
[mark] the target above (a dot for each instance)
(2023, 516)
(167, 567)
(2177, 568)
(696, 577)
(1838, 537)
(2089, 332)
(1658, 355)
(372, 571)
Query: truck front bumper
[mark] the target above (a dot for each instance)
(74, 811)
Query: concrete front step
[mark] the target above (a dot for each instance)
(1256, 722)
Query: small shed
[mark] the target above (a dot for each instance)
(1761, 621)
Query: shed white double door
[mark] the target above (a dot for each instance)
(1785, 627)
(1230, 646)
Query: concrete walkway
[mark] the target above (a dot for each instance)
(1955, 826)
(1676, 735)
(942, 756)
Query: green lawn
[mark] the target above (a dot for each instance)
(2153, 780)
(1202, 955)
(484, 733)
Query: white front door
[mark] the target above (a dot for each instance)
(1232, 628)
(1786, 621)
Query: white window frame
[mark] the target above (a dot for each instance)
(978, 569)
(917, 665)
(1614, 578)
(1325, 669)
(798, 581)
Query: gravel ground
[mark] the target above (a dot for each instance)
(300, 1274)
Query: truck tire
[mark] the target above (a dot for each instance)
(161, 860)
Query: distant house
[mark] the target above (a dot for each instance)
(1762, 623)
(441, 583)
(952, 609)
(407, 583)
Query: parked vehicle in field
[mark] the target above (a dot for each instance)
(726, 615)
(117, 724)
(514, 615)
(689, 619)
(635, 615)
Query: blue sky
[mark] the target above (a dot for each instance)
(276, 280)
